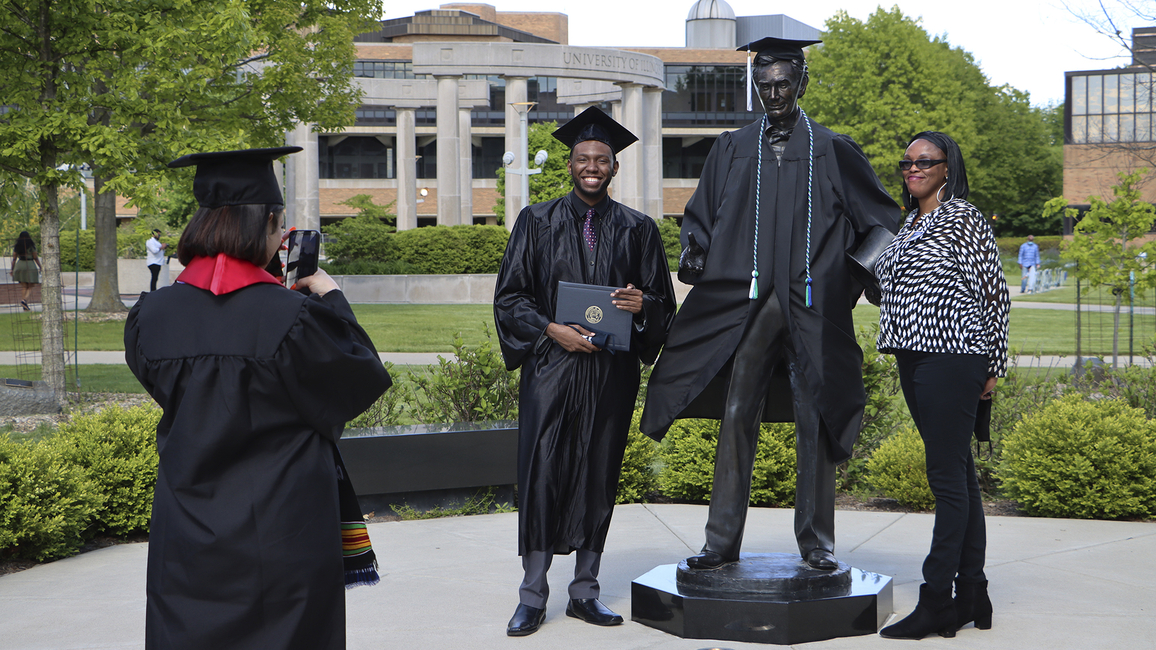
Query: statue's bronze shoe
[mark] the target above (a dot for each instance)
(708, 560)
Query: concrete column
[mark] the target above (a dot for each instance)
(449, 165)
(631, 160)
(652, 151)
(406, 169)
(515, 92)
(302, 197)
(466, 173)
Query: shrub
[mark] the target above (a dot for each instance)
(688, 455)
(670, 232)
(68, 252)
(363, 237)
(370, 267)
(117, 449)
(453, 249)
(46, 503)
(1083, 459)
(898, 469)
(475, 386)
(638, 477)
(881, 413)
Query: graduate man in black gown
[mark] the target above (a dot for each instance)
(766, 332)
(576, 400)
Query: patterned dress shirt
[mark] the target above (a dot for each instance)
(943, 287)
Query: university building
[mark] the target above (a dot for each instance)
(1110, 124)
(446, 92)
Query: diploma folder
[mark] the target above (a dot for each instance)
(591, 307)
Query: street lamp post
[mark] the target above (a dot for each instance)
(509, 158)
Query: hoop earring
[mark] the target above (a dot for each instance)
(940, 191)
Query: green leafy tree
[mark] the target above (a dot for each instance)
(126, 85)
(1105, 247)
(885, 79)
(553, 182)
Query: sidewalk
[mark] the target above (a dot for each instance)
(452, 583)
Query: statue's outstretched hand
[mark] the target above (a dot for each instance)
(692, 262)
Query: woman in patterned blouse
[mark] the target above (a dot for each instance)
(944, 316)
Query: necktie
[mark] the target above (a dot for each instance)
(588, 232)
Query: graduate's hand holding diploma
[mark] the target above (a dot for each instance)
(628, 299)
(572, 338)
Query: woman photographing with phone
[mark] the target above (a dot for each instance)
(256, 382)
(944, 315)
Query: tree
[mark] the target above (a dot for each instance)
(126, 85)
(884, 80)
(553, 182)
(1104, 247)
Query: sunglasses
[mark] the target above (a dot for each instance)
(922, 163)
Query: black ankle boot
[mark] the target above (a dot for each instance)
(972, 604)
(934, 613)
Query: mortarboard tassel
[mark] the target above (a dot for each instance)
(754, 293)
(750, 83)
(808, 292)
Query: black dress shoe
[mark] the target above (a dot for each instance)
(593, 611)
(707, 560)
(526, 621)
(822, 559)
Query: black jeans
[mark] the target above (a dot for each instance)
(155, 269)
(942, 392)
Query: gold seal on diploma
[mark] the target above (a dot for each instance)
(594, 314)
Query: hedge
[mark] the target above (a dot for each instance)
(1083, 459)
(898, 469)
(452, 249)
(688, 455)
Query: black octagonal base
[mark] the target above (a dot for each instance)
(779, 614)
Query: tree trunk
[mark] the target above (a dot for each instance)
(51, 318)
(106, 286)
(1116, 333)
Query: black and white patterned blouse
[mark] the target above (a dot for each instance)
(943, 287)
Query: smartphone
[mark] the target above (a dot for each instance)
(302, 251)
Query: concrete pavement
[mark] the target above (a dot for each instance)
(452, 583)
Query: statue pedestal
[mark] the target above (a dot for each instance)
(762, 598)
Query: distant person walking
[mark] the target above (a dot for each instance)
(156, 256)
(25, 266)
(1029, 261)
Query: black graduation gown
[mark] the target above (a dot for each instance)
(692, 376)
(256, 385)
(575, 408)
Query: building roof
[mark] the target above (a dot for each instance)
(711, 10)
(446, 24)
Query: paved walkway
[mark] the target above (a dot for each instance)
(452, 583)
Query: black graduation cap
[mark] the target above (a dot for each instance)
(593, 124)
(784, 49)
(240, 177)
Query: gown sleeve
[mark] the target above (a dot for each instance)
(328, 365)
(866, 203)
(518, 317)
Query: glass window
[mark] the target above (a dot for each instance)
(1143, 92)
(354, 157)
(487, 159)
(1111, 93)
(705, 95)
(1143, 127)
(1127, 128)
(1095, 98)
(1111, 129)
(1095, 128)
(684, 157)
(1079, 95)
(1127, 93)
(1079, 129)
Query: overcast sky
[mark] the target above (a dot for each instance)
(1027, 44)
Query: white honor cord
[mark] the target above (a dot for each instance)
(754, 292)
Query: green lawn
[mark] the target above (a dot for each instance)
(432, 328)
